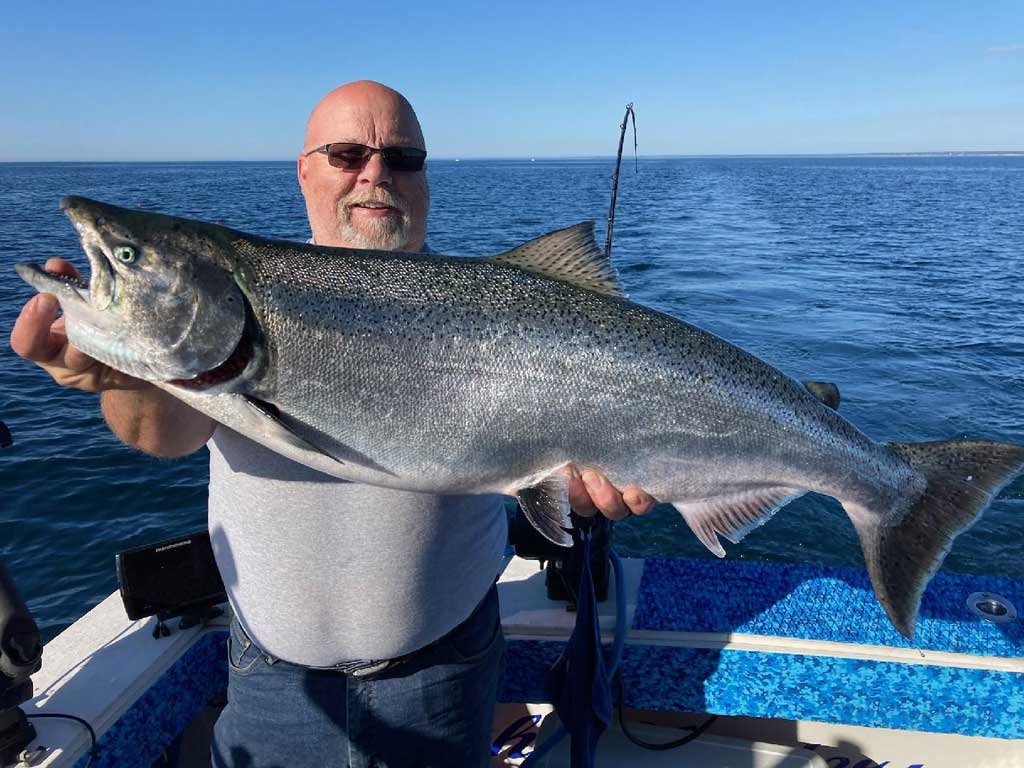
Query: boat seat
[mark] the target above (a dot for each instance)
(800, 642)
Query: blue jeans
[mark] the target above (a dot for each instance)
(436, 708)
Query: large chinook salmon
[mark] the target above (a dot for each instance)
(458, 375)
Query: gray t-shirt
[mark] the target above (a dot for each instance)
(322, 572)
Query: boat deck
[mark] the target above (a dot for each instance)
(791, 655)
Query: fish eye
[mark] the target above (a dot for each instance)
(125, 254)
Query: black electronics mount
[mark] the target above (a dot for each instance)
(563, 565)
(189, 618)
(21, 655)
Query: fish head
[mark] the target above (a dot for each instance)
(161, 303)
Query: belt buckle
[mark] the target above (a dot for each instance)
(373, 667)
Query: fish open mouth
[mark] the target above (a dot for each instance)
(74, 293)
(45, 281)
(75, 282)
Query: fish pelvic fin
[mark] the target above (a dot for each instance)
(903, 550)
(545, 502)
(570, 255)
(733, 515)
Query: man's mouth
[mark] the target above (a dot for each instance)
(374, 209)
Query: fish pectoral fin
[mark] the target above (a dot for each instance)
(570, 255)
(733, 515)
(274, 427)
(825, 391)
(332, 446)
(546, 505)
(279, 427)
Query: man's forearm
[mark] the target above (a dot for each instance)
(154, 422)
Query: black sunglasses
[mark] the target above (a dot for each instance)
(354, 157)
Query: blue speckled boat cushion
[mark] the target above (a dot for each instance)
(853, 691)
(148, 727)
(806, 602)
(818, 603)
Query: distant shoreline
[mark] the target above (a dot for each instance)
(539, 159)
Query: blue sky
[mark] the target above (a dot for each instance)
(230, 80)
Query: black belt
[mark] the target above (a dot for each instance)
(364, 668)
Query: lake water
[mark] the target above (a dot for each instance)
(897, 278)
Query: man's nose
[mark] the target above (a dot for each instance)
(376, 171)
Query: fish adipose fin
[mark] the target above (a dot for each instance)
(570, 255)
(902, 551)
(825, 391)
(734, 515)
(546, 506)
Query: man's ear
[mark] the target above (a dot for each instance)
(300, 171)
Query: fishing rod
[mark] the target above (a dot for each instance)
(615, 177)
(587, 572)
(615, 675)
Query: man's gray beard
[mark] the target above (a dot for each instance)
(388, 233)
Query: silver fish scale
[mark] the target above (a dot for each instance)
(448, 374)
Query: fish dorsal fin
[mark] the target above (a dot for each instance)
(570, 255)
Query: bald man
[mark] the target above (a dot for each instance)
(366, 628)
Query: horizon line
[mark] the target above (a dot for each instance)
(539, 158)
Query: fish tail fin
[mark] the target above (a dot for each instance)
(904, 547)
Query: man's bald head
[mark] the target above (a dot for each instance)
(373, 206)
(360, 102)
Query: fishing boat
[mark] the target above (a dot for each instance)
(798, 664)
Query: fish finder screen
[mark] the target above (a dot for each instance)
(169, 577)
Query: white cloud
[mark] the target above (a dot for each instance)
(1016, 48)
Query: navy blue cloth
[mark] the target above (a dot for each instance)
(435, 709)
(578, 685)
